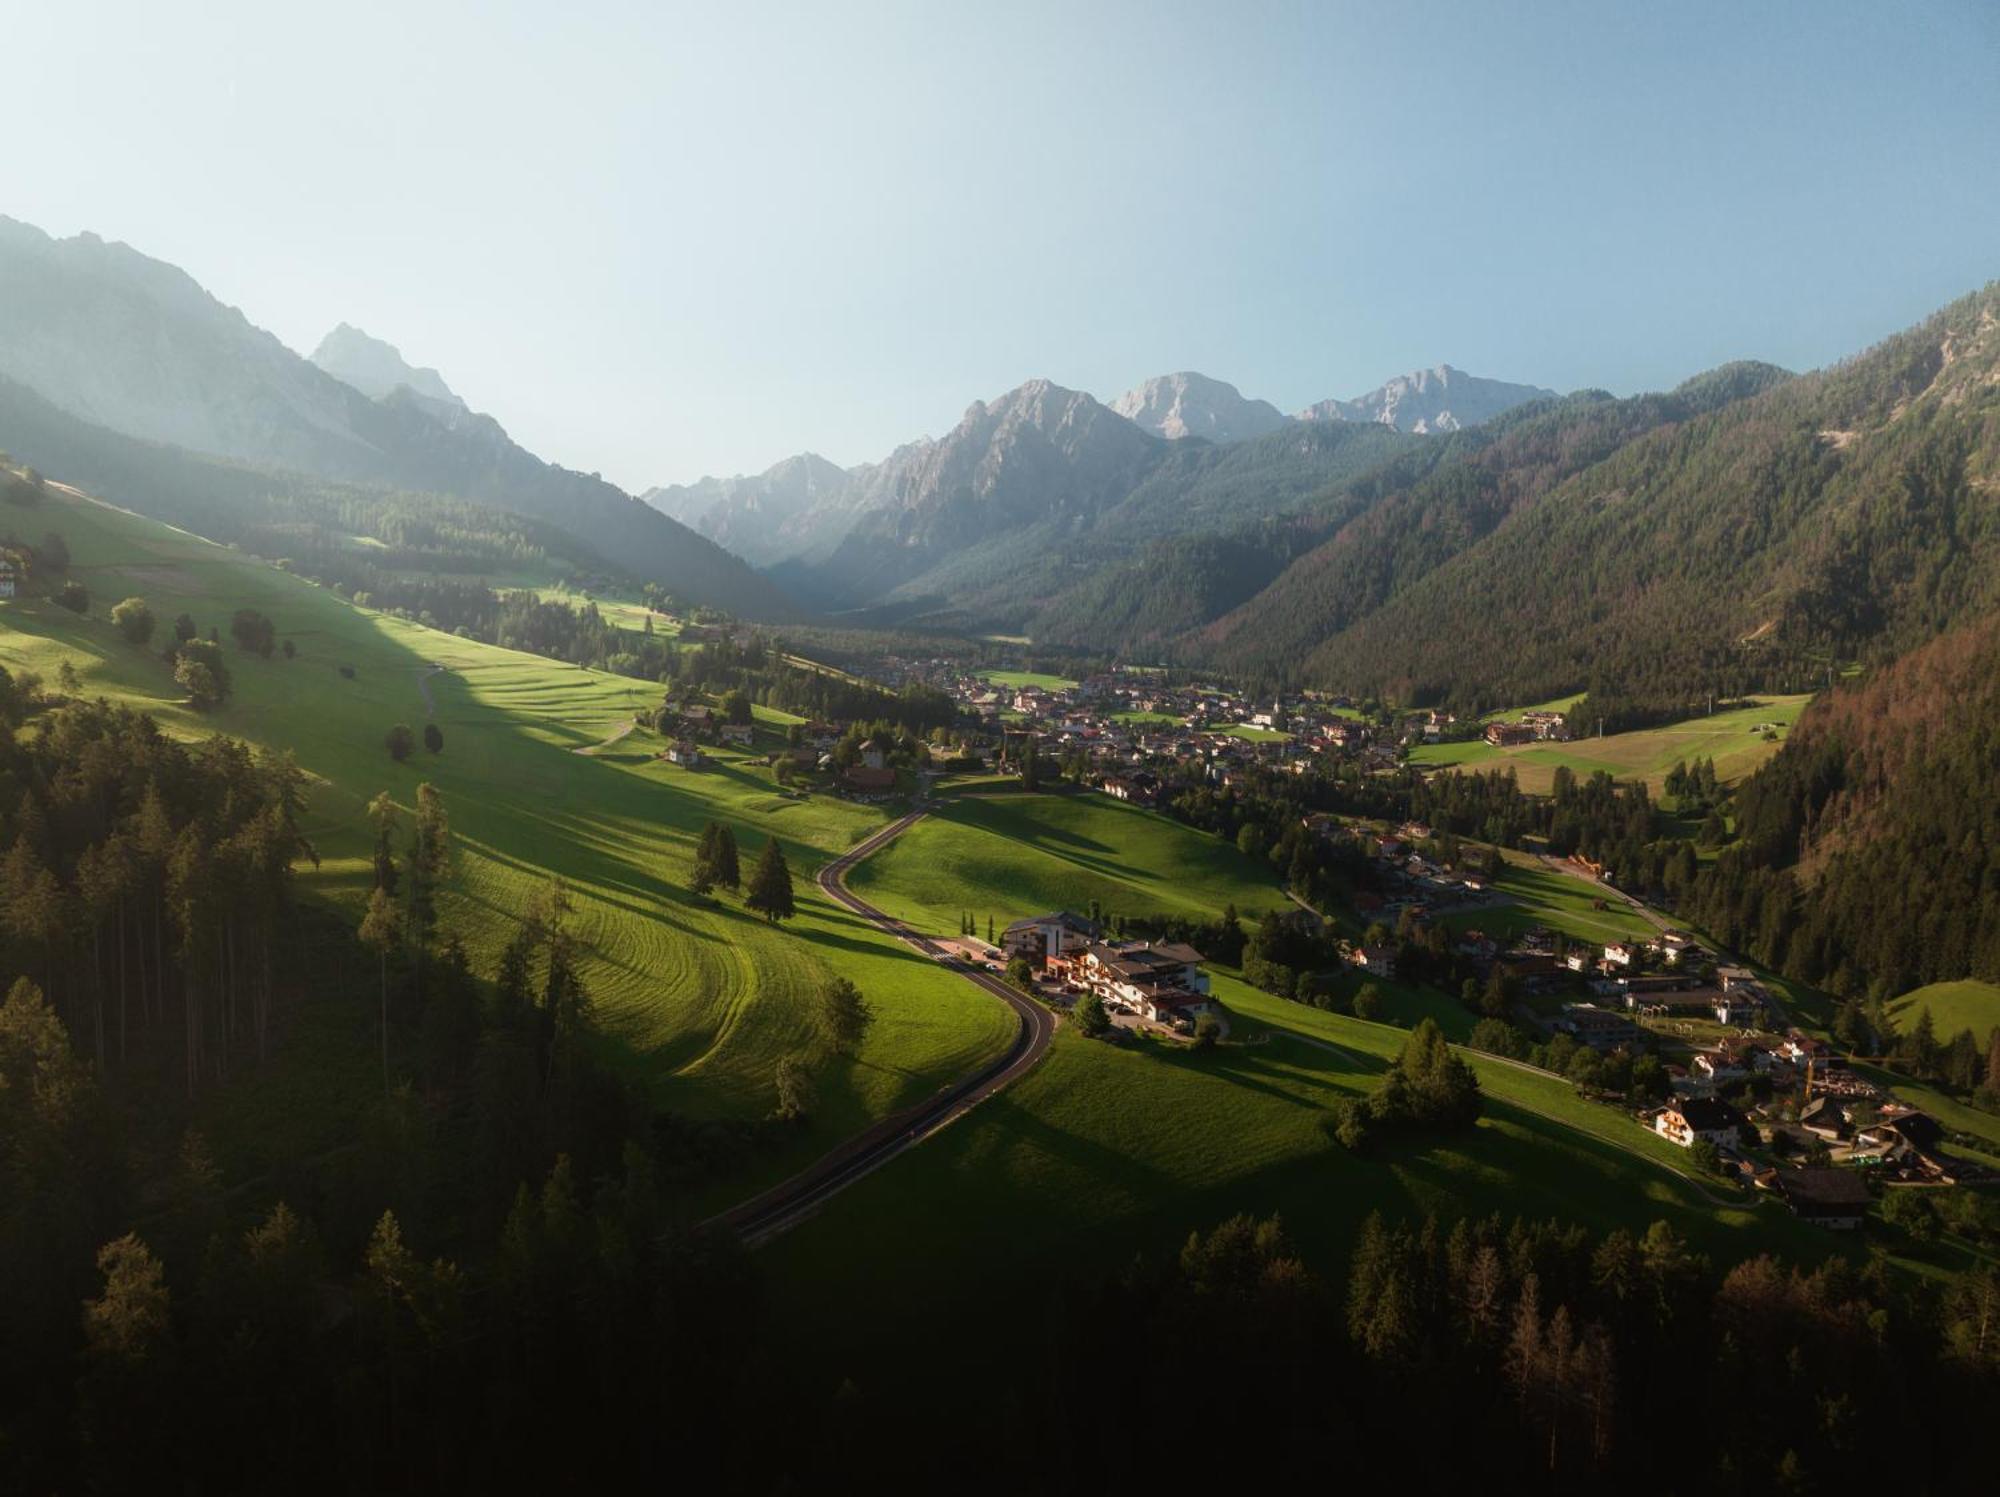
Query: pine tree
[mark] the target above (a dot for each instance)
(379, 931)
(727, 871)
(771, 884)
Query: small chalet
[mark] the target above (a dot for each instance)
(1824, 1196)
(1376, 961)
(684, 753)
(739, 734)
(8, 578)
(1700, 1117)
(870, 779)
(1509, 735)
(874, 755)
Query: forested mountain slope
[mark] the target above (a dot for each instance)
(1871, 843)
(1848, 512)
(1398, 523)
(131, 345)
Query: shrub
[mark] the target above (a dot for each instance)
(73, 596)
(400, 742)
(433, 738)
(1089, 1016)
(134, 620)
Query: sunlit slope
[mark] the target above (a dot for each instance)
(705, 998)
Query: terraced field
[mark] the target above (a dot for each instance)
(700, 998)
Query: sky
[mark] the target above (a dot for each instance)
(660, 240)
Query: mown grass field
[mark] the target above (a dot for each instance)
(700, 998)
(1010, 855)
(1731, 739)
(1970, 1004)
(1015, 680)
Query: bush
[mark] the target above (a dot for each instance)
(133, 619)
(1207, 1032)
(1089, 1016)
(400, 742)
(1021, 973)
(433, 738)
(1368, 1002)
(73, 597)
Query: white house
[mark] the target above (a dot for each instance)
(1707, 1118)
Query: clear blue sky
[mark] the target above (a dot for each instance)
(660, 241)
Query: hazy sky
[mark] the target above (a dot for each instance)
(661, 240)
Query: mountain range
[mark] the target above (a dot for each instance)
(134, 348)
(1444, 538)
(1042, 456)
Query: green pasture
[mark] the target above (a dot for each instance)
(700, 997)
(1729, 738)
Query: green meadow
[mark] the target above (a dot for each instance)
(1970, 1004)
(1733, 739)
(699, 997)
(1015, 680)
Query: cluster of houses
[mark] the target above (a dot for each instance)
(1158, 982)
(1530, 727)
(1130, 724)
(1866, 1134)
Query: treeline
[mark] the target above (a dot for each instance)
(764, 672)
(1867, 852)
(496, 1252)
(147, 884)
(1465, 1352)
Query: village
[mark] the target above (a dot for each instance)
(1766, 1105)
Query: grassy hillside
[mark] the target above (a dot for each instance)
(1954, 1006)
(702, 999)
(1009, 855)
(1734, 740)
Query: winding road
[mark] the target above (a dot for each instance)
(758, 1220)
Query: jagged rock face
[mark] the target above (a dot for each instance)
(1430, 400)
(1193, 405)
(765, 517)
(377, 369)
(1038, 454)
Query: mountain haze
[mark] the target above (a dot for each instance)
(130, 345)
(377, 369)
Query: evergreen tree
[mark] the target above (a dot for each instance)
(379, 932)
(771, 884)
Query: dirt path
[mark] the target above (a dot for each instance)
(616, 733)
(424, 674)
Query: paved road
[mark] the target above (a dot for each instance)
(763, 1217)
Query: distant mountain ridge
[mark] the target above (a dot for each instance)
(1429, 401)
(377, 369)
(1193, 405)
(131, 345)
(1055, 459)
